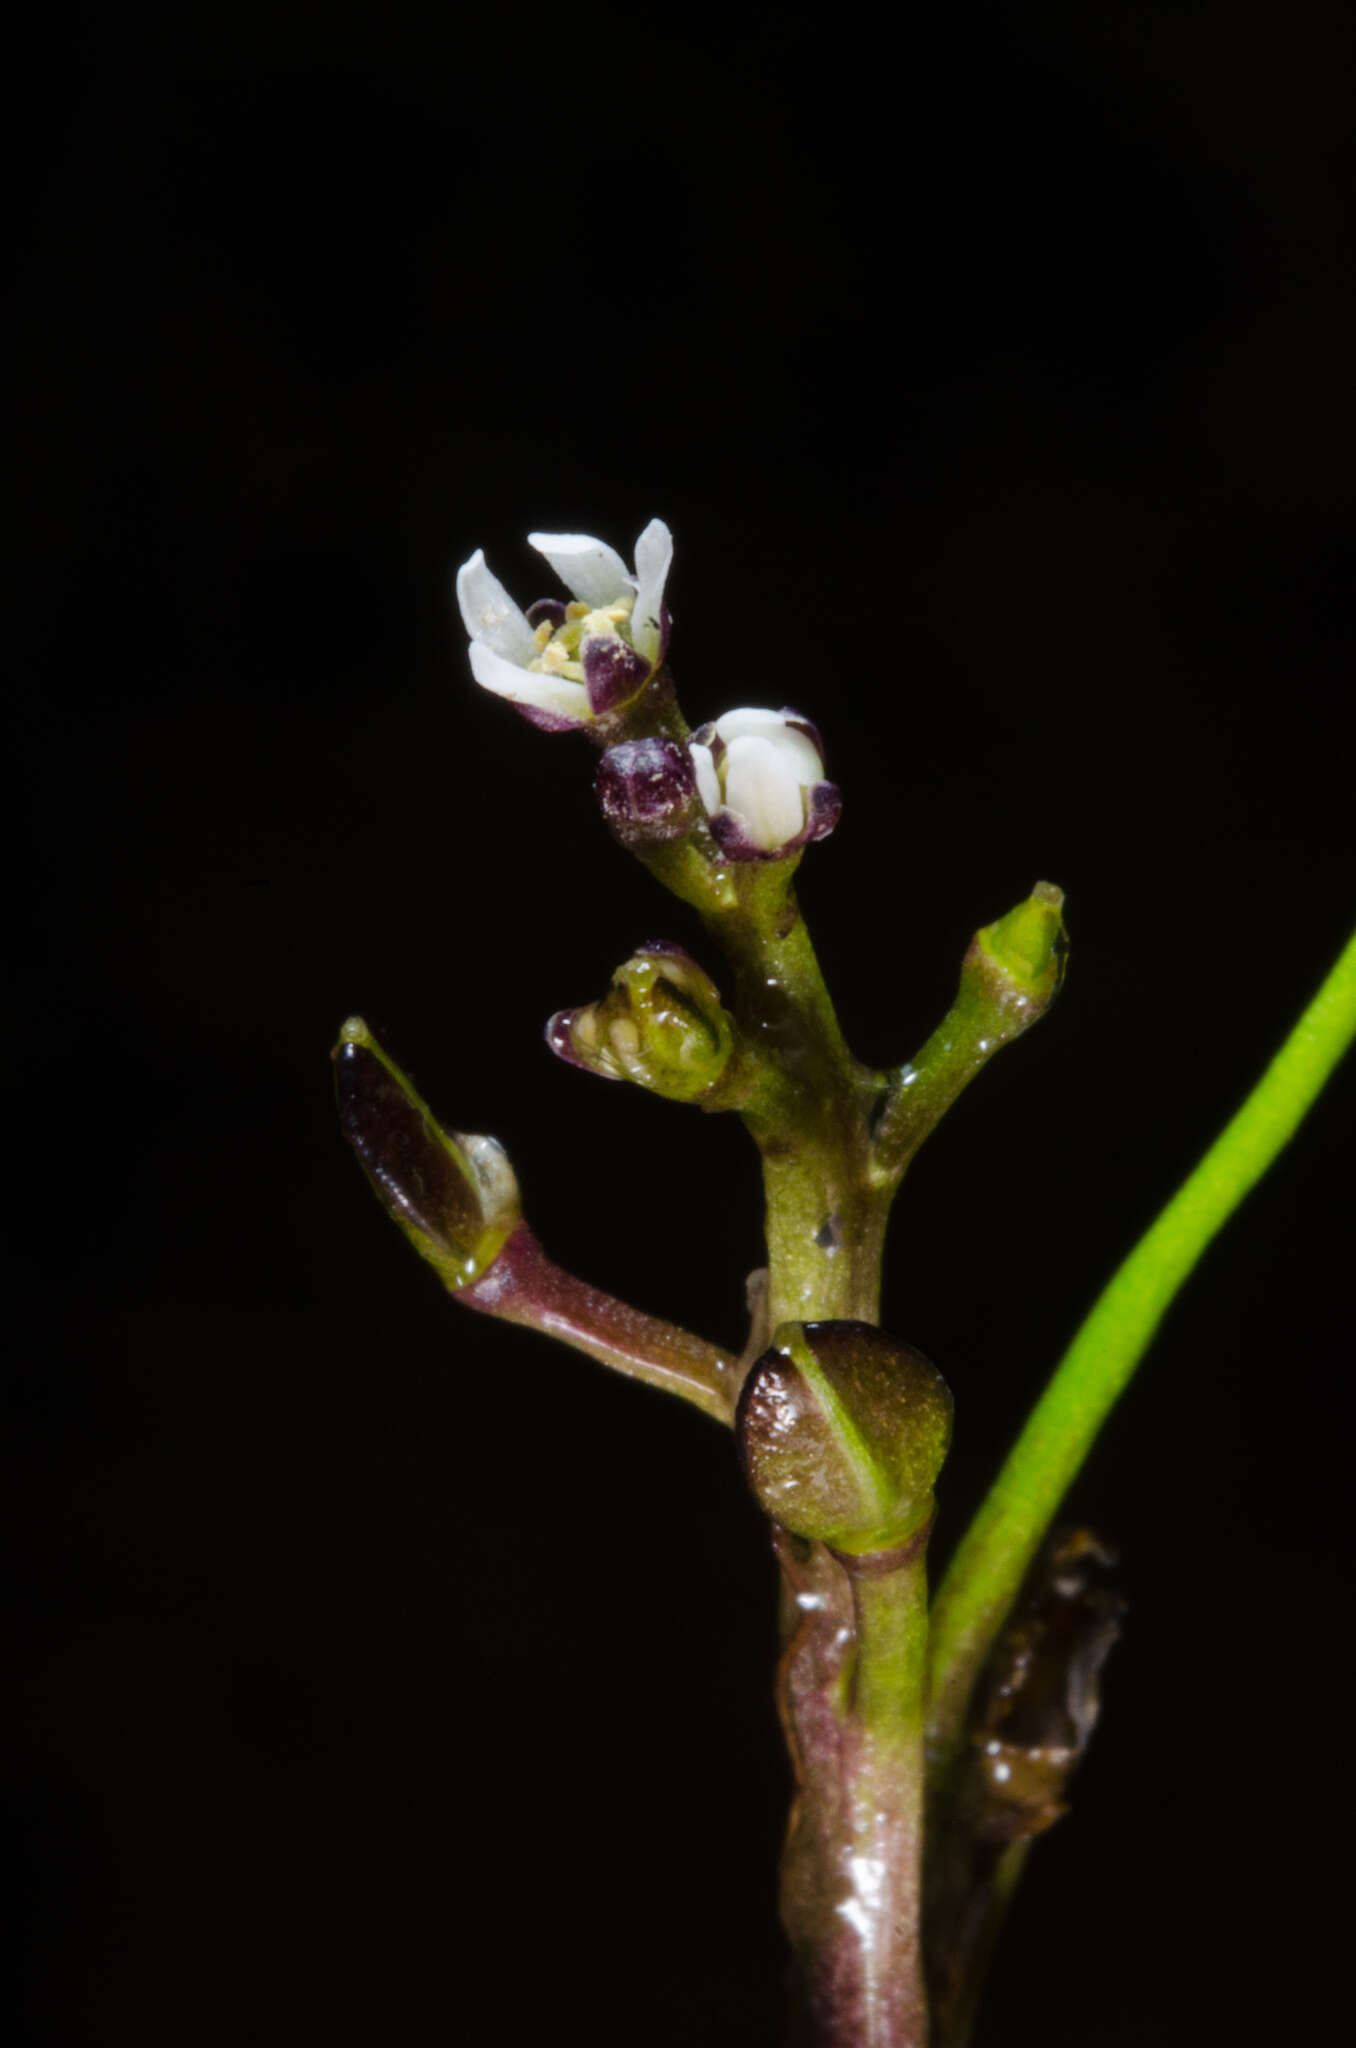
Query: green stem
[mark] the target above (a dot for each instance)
(809, 1113)
(996, 1552)
(854, 1668)
(784, 1005)
(1009, 978)
(825, 1237)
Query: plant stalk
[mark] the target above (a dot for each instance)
(524, 1285)
(855, 1629)
(996, 1552)
(851, 1697)
(809, 1116)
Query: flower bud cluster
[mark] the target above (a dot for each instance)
(756, 777)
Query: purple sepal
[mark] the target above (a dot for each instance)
(731, 836)
(826, 808)
(546, 721)
(557, 1036)
(552, 608)
(613, 671)
(707, 736)
(670, 950)
(646, 789)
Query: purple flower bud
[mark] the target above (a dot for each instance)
(646, 790)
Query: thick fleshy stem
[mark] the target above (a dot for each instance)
(997, 1550)
(835, 1140)
(842, 1432)
(524, 1286)
(851, 1697)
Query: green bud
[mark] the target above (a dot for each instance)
(843, 1431)
(454, 1196)
(1021, 956)
(661, 1024)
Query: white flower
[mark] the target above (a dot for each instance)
(760, 775)
(571, 663)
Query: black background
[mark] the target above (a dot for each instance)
(993, 369)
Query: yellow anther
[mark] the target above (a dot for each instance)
(559, 645)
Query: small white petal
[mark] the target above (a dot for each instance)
(801, 753)
(498, 1183)
(736, 725)
(489, 613)
(522, 686)
(590, 570)
(708, 782)
(762, 785)
(654, 554)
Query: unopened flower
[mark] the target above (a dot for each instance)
(566, 664)
(843, 1430)
(647, 791)
(760, 775)
(661, 1025)
(454, 1195)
